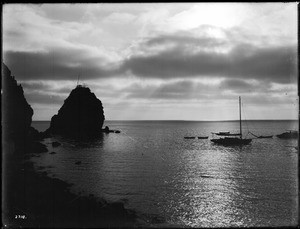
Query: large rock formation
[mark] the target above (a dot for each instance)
(16, 112)
(16, 121)
(80, 116)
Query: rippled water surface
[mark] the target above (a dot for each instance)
(170, 180)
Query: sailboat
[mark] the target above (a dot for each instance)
(232, 141)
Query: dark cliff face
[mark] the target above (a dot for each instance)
(80, 116)
(16, 112)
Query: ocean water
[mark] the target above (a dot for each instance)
(172, 181)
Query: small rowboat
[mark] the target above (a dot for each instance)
(267, 136)
(202, 137)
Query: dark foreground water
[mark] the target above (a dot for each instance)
(171, 181)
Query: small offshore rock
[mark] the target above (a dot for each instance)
(56, 144)
(106, 129)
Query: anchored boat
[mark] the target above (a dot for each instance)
(189, 137)
(265, 136)
(232, 141)
(202, 137)
(291, 134)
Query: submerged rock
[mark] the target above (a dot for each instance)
(55, 144)
(81, 115)
(107, 130)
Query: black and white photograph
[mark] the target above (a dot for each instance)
(150, 115)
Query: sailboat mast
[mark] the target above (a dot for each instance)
(240, 117)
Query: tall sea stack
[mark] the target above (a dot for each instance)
(80, 116)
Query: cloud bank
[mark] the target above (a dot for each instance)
(154, 53)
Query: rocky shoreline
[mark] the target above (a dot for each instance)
(40, 201)
(30, 198)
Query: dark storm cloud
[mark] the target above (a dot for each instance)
(60, 64)
(275, 64)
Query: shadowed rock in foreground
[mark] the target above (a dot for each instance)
(16, 112)
(80, 116)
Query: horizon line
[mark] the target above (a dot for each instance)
(182, 120)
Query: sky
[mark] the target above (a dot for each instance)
(159, 61)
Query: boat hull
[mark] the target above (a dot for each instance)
(271, 136)
(227, 134)
(231, 141)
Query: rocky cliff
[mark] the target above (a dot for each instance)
(80, 116)
(16, 112)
